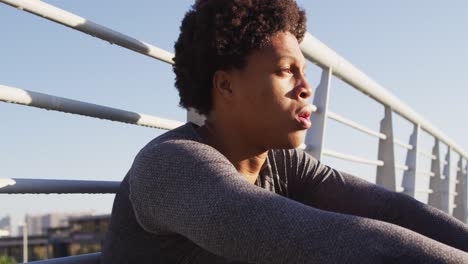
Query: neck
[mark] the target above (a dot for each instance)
(246, 157)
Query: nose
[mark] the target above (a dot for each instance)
(303, 89)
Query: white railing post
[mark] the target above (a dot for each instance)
(315, 136)
(409, 176)
(445, 183)
(386, 173)
(194, 117)
(440, 198)
(25, 240)
(435, 183)
(461, 200)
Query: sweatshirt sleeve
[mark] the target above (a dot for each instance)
(325, 188)
(190, 189)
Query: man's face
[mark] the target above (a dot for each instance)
(270, 95)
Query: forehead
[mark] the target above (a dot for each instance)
(283, 46)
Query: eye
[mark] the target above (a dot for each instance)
(286, 71)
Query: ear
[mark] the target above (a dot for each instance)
(222, 83)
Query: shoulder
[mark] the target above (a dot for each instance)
(181, 143)
(177, 158)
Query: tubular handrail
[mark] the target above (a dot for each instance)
(342, 156)
(86, 26)
(355, 125)
(427, 155)
(401, 167)
(50, 102)
(404, 145)
(49, 186)
(319, 53)
(418, 190)
(313, 49)
(426, 173)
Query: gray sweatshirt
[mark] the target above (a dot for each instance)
(182, 201)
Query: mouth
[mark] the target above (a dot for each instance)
(303, 118)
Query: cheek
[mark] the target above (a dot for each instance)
(257, 93)
(279, 100)
(265, 100)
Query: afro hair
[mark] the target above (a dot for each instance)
(219, 35)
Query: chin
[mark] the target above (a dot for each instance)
(291, 140)
(295, 139)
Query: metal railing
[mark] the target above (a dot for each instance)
(440, 195)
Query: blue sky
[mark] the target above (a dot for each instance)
(415, 49)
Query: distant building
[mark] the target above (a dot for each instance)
(5, 226)
(38, 224)
(4, 233)
(82, 235)
(38, 247)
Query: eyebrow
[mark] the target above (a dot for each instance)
(292, 58)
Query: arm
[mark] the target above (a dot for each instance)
(329, 189)
(184, 188)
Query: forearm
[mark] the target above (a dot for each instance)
(428, 221)
(344, 193)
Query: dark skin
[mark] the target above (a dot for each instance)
(257, 108)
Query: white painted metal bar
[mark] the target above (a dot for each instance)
(461, 200)
(315, 136)
(426, 173)
(45, 186)
(49, 102)
(73, 21)
(435, 183)
(402, 144)
(401, 167)
(313, 108)
(386, 174)
(445, 184)
(427, 155)
(322, 55)
(312, 48)
(339, 155)
(194, 117)
(409, 176)
(25, 241)
(355, 125)
(402, 189)
(429, 191)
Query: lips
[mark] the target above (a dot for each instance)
(303, 117)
